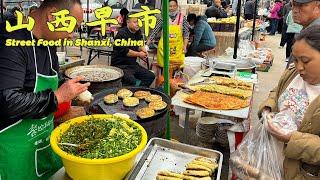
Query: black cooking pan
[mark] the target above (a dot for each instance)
(113, 80)
(99, 107)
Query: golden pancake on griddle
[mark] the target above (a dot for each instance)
(142, 94)
(110, 99)
(153, 97)
(123, 93)
(157, 105)
(130, 101)
(144, 113)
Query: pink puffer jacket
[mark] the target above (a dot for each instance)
(274, 11)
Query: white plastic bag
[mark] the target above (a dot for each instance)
(259, 156)
(284, 122)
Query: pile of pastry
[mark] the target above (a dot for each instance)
(131, 99)
(200, 168)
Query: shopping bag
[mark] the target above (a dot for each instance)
(259, 156)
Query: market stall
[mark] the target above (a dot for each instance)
(238, 116)
(224, 30)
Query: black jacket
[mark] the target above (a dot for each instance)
(216, 12)
(17, 77)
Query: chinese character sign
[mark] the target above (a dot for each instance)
(20, 25)
(103, 14)
(63, 22)
(149, 21)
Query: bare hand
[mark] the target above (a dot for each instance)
(278, 133)
(71, 89)
(185, 50)
(143, 55)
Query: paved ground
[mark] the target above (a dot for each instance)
(267, 81)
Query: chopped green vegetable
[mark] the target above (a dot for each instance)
(100, 139)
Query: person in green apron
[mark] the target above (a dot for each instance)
(30, 94)
(179, 35)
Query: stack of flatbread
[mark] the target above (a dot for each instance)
(200, 168)
(222, 93)
(216, 101)
(231, 82)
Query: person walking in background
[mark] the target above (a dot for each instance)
(274, 16)
(285, 11)
(249, 9)
(292, 30)
(306, 13)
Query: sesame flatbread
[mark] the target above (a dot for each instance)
(153, 97)
(123, 93)
(110, 99)
(144, 113)
(130, 101)
(157, 105)
(142, 94)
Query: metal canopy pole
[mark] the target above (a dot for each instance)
(2, 10)
(236, 38)
(88, 18)
(254, 18)
(165, 31)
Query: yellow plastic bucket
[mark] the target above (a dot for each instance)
(107, 169)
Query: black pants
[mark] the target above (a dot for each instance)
(274, 26)
(192, 51)
(290, 41)
(248, 16)
(284, 34)
(279, 29)
(135, 73)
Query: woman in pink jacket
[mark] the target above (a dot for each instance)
(274, 16)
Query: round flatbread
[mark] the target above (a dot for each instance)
(144, 113)
(142, 94)
(157, 105)
(123, 93)
(153, 97)
(110, 99)
(130, 101)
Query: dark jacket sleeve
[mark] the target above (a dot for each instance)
(16, 101)
(222, 13)
(18, 104)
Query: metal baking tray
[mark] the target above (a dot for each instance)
(161, 154)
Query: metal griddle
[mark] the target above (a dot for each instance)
(98, 106)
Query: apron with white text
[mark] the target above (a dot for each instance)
(25, 151)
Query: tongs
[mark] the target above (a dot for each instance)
(69, 144)
(80, 146)
(186, 89)
(203, 82)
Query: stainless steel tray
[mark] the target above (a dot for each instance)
(162, 154)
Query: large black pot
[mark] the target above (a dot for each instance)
(97, 86)
(155, 126)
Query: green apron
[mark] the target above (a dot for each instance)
(25, 151)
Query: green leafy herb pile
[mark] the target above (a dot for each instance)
(100, 139)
